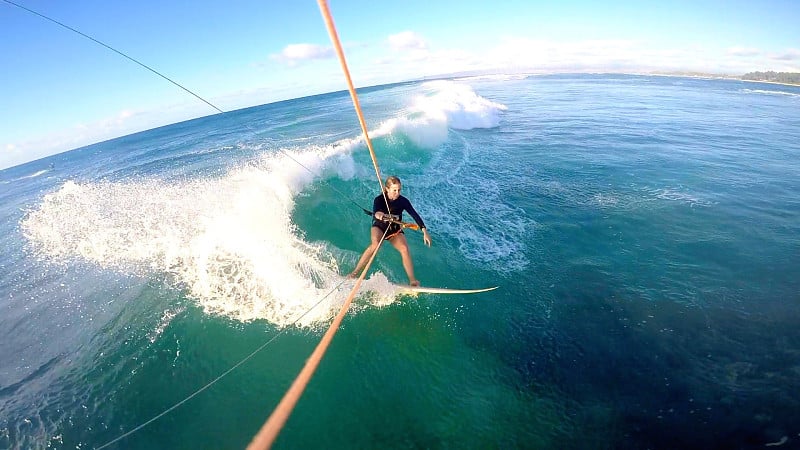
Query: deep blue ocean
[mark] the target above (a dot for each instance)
(644, 232)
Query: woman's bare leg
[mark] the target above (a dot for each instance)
(401, 244)
(375, 237)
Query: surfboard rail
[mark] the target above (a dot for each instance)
(435, 290)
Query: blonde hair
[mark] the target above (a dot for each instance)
(391, 181)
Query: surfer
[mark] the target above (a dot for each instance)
(384, 219)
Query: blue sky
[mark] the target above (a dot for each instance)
(60, 91)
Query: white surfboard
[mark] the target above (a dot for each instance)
(433, 290)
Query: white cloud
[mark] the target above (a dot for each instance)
(413, 57)
(743, 51)
(523, 55)
(293, 54)
(789, 55)
(547, 55)
(407, 40)
(515, 54)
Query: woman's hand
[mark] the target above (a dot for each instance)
(426, 238)
(379, 215)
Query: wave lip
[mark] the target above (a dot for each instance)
(459, 105)
(442, 106)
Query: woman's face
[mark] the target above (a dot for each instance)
(393, 191)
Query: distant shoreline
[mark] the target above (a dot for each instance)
(720, 77)
(655, 74)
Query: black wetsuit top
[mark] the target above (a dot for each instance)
(396, 208)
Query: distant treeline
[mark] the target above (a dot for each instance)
(776, 77)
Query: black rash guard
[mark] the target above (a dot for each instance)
(396, 208)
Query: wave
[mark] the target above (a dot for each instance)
(442, 106)
(36, 174)
(770, 92)
(458, 105)
(230, 241)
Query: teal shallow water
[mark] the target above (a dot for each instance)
(644, 232)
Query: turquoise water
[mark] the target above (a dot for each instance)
(644, 232)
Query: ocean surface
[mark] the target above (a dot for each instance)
(644, 232)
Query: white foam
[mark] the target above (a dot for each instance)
(26, 177)
(36, 174)
(443, 105)
(768, 92)
(458, 105)
(163, 323)
(228, 241)
(681, 196)
(489, 232)
(488, 229)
